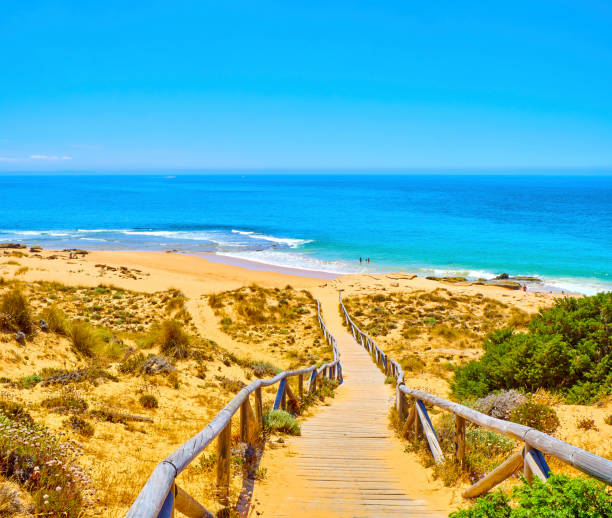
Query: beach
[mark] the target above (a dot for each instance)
(154, 276)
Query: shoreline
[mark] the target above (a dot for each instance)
(544, 285)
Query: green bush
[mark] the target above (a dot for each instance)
(16, 310)
(560, 497)
(568, 348)
(282, 422)
(30, 381)
(538, 416)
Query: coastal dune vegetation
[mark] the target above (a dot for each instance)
(100, 383)
(545, 370)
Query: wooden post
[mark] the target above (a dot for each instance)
(312, 387)
(259, 409)
(279, 401)
(499, 474)
(401, 405)
(284, 397)
(301, 386)
(244, 421)
(418, 431)
(460, 440)
(526, 469)
(223, 463)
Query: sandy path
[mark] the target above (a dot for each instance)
(347, 462)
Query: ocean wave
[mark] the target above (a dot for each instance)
(290, 242)
(294, 260)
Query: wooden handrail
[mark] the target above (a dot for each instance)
(535, 441)
(160, 495)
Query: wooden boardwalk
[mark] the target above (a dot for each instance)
(346, 462)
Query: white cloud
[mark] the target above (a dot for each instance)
(49, 157)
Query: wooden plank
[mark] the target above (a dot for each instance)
(401, 406)
(301, 386)
(312, 387)
(244, 421)
(429, 432)
(499, 474)
(259, 409)
(280, 394)
(460, 440)
(189, 506)
(223, 463)
(536, 464)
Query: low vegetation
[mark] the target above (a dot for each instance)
(567, 348)
(559, 497)
(280, 421)
(280, 321)
(431, 332)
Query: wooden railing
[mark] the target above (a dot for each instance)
(161, 495)
(416, 423)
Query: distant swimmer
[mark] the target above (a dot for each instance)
(360, 260)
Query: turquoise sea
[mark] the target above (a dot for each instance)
(557, 227)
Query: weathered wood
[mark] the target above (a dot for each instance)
(499, 474)
(186, 504)
(460, 440)
(417, 430)
(589, 463)
(280, 394)
(301, 386)
(429, 432)
(312, 387)
(400, 401)
(244, 421)
(258, 409)
(248, 426)
(167, 510)
(223, 462)
(535, 463)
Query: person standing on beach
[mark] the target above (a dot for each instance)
(360, 260)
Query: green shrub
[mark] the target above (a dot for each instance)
(56, 320)
(538, 416)
(264, 369)
(17, 313)
(281, 422)
(568, 348)
(30, 381)
(149, 401)
(83, 336)
(559, 497)
(173, 340)
(608, 420)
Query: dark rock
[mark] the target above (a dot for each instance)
(20, 337)
(502, 276)
(12, 245)
(157, 364)
(43, 325)
(36, 249)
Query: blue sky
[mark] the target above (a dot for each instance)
(138, 85)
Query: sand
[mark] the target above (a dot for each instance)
(151, 272)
